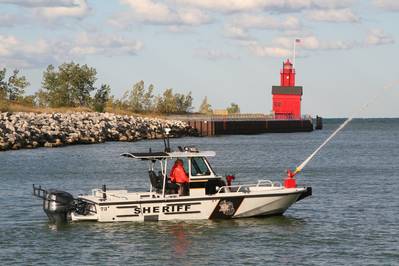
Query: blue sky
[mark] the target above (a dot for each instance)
(228, 50)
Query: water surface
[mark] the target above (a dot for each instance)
(351, 219)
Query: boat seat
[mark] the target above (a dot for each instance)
(157, 183)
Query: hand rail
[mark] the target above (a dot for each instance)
(262, 182)
(269, 182)
(107, 193)
(238, 190)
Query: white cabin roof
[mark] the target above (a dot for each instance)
(164, 155)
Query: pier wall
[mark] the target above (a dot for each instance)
(215, 126)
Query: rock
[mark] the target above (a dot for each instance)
(16, 146)
(123, 138)
(48, 145)
(31, 130)
(4, 146)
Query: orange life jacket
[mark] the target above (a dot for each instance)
(178, 175)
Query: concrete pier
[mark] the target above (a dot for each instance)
(245, 124)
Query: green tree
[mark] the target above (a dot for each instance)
(101, 98)
(70, 85)
(184, 103)
(14, 87)
(3, 85)
(148, 99)
(29, 100)
(138, 99)
(141, 100)
(167, 102)
(205, 107)
(3, 92)
(233, 109)
(42, 98)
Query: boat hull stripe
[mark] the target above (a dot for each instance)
(126, 207)
(127, 215)
(196, 199)
(183, 204)
(188, 212)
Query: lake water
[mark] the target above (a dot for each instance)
(351, 219)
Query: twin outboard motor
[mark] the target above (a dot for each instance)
(56, 203)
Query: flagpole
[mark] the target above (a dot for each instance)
(293, 60)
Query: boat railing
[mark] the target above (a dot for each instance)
(241, 188)
(97, 191)
(270, 183)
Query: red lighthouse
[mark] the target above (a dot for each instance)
(287, 96)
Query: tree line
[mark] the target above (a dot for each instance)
(73, 85)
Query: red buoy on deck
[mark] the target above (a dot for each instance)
(290, 181)
(287, 97)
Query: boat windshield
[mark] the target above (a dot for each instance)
(199, 167)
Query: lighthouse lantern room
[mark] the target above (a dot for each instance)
(287, 97)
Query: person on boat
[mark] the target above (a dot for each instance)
(179, 176)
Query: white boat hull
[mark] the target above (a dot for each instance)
(220, 206)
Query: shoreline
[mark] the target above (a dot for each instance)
(23, 130)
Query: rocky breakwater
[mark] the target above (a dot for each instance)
(32, 130)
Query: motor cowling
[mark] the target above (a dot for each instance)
(57, 204)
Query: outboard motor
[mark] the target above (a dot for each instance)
(56, 203)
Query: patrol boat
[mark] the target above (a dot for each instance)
(208, 197)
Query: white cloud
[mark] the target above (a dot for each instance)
(267, 50)
(332, 4)
(6, 44)
(149, 10)
(283, 46)
(239, 26)
(15, 53)
(52, 9)
(266, 22)
(236, 32)
(332, 15)
(228, 6)
(11, 20)
(157, 13)
(40, 3)
(312, 43)
(110, 45)
(214, 54)
(19, 53)
(192, 17)
(389, 5)
(79, 8)
(378, 37)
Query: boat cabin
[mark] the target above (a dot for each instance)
(202, 178)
